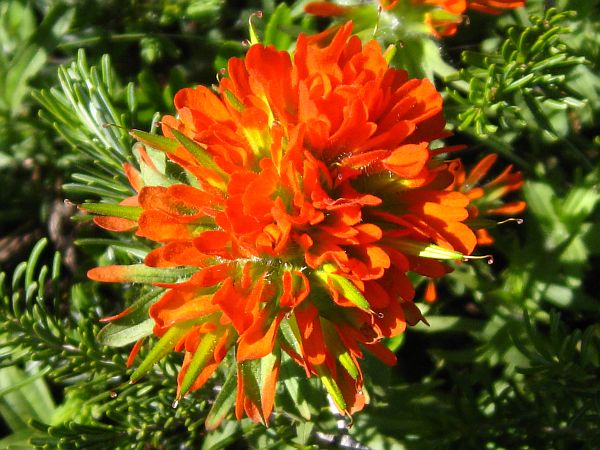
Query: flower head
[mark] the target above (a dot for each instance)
(310, 192)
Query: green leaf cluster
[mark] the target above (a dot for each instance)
(525, 78)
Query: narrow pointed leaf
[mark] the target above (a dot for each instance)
(140, 273)
(235, 102)
(335, 345)
(155, 141)
(349, 291)
(292, 385)
(426, 250)
(251, 377)
(252, 31)
(224, 401)
(333, 389)
(201, 358)
(344, 286)
(133, 325)
(199, 153)
(267, 365)
(121, 211)
(161, 349)
(115, 335)
(346, 361)
(33, 258)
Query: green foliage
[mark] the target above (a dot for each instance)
(566, 228)
(531, 88)
(550, 401)
(31, 53)
(24, 145)
(84, 114)
(30, 321)
(99, 405)
(24, 396)
(521, 84)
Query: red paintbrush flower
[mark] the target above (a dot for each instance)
(311, 192)
(442, 17)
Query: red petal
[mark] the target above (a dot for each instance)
(407, 161)
(311, 333)
(175, 254)
(133, 353)
(325, 9)
(257, 341)
(177, 306)
(430, 292)
(115, 223)
(109, 274)
(383, 353)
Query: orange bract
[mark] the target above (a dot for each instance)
(494, 6)
(314, 194)
(486, 199)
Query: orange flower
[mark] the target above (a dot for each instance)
(448, 14)
(442, 17)
(486, 199)
(312, 192)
